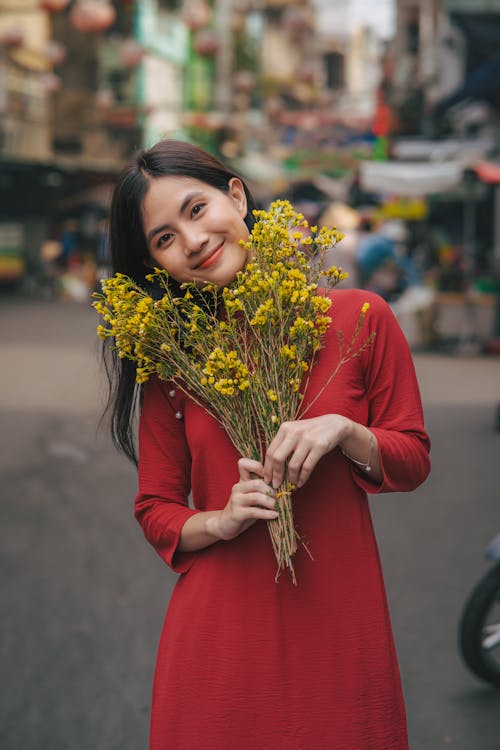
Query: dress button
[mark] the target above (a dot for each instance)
(171, 393)
(178, 415)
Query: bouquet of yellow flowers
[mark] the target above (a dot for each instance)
(244, 352)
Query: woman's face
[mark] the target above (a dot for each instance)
(193, 230)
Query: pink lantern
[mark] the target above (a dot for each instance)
(53, 6)
(130, 54)
(55, 52)
(206, 42)
(92, 15)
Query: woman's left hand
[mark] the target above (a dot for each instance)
(303, 442)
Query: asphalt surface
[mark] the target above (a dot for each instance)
(83, 596)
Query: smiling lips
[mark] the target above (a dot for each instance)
(212, 258)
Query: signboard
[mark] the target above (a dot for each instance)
(12, 264)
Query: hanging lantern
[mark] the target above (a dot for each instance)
(54, 6)
(55, 52)
(12, 36)
(92, 15)
(130, 54)
(196, 14)
(206, 42)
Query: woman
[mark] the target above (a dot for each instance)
(244, 662)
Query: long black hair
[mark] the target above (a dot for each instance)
(130, 256)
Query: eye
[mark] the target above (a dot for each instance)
(164, 239)
(197, 208)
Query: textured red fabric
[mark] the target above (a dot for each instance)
(244, 662)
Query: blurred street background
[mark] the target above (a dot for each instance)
(382, 119)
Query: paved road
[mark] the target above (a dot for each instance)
(83, 596)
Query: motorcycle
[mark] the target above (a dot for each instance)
(479, 627)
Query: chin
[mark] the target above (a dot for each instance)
(224, 276)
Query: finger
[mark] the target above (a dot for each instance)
(278, 462)
(247, 467)
(296, 461)
(249, 499)
(256, 485)
(308, 465)
(263, 514)
(276, 459)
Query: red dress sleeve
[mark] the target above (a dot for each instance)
(395, 410)
(161, 505)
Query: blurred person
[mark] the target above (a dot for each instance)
(49, 271)
(69, 238)
(383, 262)
(245, 662)
(307, 198)
(103, 256)
(347, 220)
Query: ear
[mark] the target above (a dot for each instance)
(237, 194)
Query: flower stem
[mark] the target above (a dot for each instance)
(282, 530)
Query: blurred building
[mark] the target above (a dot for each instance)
(351, 58)
(83, 84)
(442, 85)
(446, 66)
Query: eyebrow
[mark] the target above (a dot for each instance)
(187, 200)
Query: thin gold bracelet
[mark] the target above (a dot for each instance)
(365, 466)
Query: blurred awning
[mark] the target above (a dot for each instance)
(50, 187)
(410, 178)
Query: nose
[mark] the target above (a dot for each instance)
(195, 239)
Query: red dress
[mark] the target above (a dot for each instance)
(245, 663)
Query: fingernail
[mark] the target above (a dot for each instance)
(276, 484)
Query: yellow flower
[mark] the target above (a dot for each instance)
(253, 361)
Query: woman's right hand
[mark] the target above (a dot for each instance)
(251, 499)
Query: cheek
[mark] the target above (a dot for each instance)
(162, 260)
